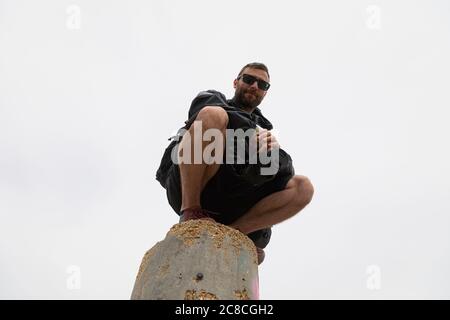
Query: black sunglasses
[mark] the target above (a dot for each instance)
(248, 79)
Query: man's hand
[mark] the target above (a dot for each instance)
(266, 140)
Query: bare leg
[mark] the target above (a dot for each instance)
(195, 176)
(277, 207)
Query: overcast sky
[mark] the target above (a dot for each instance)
(91, 90)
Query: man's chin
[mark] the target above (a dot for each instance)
(248, 100)
(248, 94)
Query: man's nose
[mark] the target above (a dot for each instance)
(255, 85)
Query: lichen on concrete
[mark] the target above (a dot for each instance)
(146, 259)
(187, 231)
(163, 270)
(241, 295)
(191, 230)
(201, 295)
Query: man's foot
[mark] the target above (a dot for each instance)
(196, 213)
(261, 255)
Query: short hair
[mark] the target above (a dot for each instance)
(255, 65)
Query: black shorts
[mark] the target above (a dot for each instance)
(228, 195)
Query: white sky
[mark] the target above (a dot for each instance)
(359, 97)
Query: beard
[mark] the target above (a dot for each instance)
(247, 99)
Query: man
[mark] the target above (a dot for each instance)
(234, 194)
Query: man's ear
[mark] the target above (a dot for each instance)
(235, 83)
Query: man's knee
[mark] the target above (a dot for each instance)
(216, 117)
(304, 188)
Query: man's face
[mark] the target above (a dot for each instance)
(250, 96)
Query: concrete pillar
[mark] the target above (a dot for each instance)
(199, 260)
